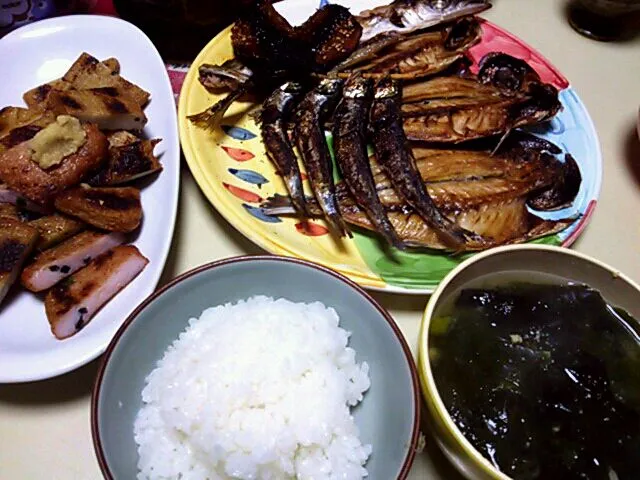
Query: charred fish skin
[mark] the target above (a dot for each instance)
(274, 115)
(396, 158)
(313, 149)
(406, 16)
(350, 147)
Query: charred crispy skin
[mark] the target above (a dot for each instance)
(127, 163)
(349, 141)
(275, 113)
(265, 41)
(116, 209)
(312, 146)
(396, 159)
(422, 55)
(55, 228)
(507, 94)
(404, 16)
(25, 176)
(16, 242)
(564, 189)
(71, 304)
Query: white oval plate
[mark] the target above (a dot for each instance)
(35, 54)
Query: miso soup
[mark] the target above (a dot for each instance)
(542, 376)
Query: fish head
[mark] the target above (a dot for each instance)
(330, 86)
(506, 72)
(357, 86)
(463, 34)
(386, 87)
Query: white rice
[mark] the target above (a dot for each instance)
(261, 389)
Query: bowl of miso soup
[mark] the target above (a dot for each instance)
(529, 358)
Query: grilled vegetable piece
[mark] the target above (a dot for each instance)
(350, 146)
(55, 228)
(108, 107)
(404, 16)
(421, 55)
(127, 163)
(16, 242)
(275, 114)
(396, 159)
(22, 174)
(116, 209)
(57, 263)
(71, 304)
(312, 146)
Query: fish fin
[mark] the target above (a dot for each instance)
(210, 118)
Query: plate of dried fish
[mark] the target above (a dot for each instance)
(388, 144)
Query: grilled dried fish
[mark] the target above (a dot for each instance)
(349, 137)
(507, 94)
(230, 75)
(396, 159)
(312, 145)
(406, 16)
(274, 115)
(424, 54)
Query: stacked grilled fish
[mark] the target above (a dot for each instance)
(448, 168)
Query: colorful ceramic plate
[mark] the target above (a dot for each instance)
(233, 171)
(35, 54)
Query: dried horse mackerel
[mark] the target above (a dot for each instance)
(413, 57)
(482, 193)
(505, 95)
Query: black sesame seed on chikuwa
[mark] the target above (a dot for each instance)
(65, 269)
(83, 310)
(86, 260)
(54, 268)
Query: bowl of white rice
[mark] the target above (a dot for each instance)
(257, 367)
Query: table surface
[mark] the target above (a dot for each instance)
(44, 426)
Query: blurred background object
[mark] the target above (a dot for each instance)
(605, 20)
(15, 13)
(178, 28)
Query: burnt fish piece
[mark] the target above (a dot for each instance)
(274, 116)
(396, 159)
(350, 146)
(312, 146)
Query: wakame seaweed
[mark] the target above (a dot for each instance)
(544, 380)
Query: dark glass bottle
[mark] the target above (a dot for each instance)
(605, 20)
